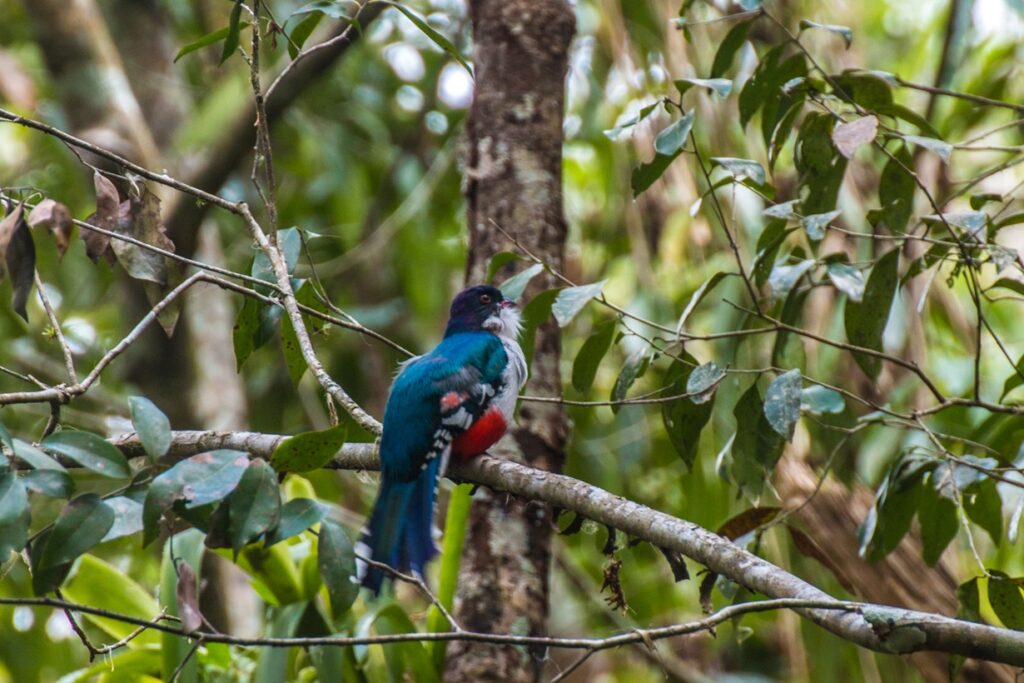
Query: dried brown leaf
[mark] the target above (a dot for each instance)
(849, 136)
(106, 217)
(139, 217)
(18, 255)
(188, 598)
(55, 217)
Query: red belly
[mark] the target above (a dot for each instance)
(480, 436)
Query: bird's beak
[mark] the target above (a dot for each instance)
(507, 303)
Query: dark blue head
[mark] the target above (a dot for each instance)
(481, 308)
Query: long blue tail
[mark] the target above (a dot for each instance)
(399, 533)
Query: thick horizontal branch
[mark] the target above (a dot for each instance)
(881, 628)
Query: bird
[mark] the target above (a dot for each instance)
(455, 401)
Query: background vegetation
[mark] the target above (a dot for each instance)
(367, 167)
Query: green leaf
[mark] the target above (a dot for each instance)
(867, 90)
(571, 301)
(152, 426)
(296, 516)
(684, 420)
(782, 403)
(302, 30)
(336, 559)
(500, 259)
(819, 163)
(535, 314)
(720, 86)
(756, 447)
(1006, 601)
(89, 450)
(255, 504)
(514, 287)
(102, 585)
(34, 456)
(331, 8)
(1017, 378)
(208, 39)
(289, 241)
(5, 439)
(646, 174)
(703, 381)
(741, 168)
(52, 483)
(308, 451)
(847, 279)
(815, 224)
(896, 188)
(761, 85)
(234, 26)
(199, 480)
(943, 149)
(896, 503)
(671, 140)
(727, 49)
(819, 400)
(246, 325)
(633, 368)
(696, 298)
(82, 524)
(843, 31)
(434, 36)
(866, 319)
(969, 601)
(584, 368)
(14, 514)
(768, 244)
(984, 507)
(937, 516)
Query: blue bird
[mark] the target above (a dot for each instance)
(457, 400)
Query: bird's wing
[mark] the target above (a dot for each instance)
(438, 396)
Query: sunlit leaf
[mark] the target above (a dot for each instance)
(784, 211)
(671, 140)
(703, 381)
(514, 287)
(571, 301)
(782, 402)
(1005, 598)
(49, 482)
(438, 39)
(231, 40)
(783, 277)
(104, 586)
(819, 400)
(741, 168)
(847, 279)
(943, 149)
(34, 456)
(499, 260)
(720, 86)
(843, 31)
(127, 517)
(815, 224)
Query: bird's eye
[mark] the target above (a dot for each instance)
(485, 298)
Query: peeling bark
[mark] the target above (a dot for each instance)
(513, 179)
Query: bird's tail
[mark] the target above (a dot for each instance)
(400, 531)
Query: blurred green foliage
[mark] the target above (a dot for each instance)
(368, 170)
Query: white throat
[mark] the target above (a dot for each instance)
(506, 324)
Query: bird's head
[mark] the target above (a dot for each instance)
(484, 308)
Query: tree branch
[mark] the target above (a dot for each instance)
(882, 628)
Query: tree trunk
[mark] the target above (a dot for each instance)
(513, 171)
